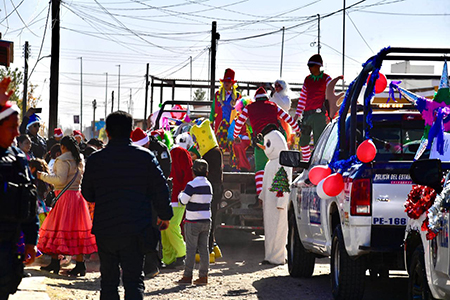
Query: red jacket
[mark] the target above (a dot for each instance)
(181, 172)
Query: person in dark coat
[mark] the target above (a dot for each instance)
(15, 179)
(55, 139)
(126, 184)
(31, 123)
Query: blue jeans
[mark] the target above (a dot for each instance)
(197, 235)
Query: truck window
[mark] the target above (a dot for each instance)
(323, 140)
(330, 146)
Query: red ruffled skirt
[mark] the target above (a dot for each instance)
(67, 228)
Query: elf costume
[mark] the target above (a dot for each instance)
(310, 108)
(261, 113)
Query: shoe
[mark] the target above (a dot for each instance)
(212, 258)
(53, 266)
(185, 280)
(79, 270)
(217, 252)
(151, 274)
(197, 258)
(201, 281)
(265, 262)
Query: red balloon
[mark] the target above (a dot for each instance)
(318, 173)
(366, 151)
(333, 185)
(380, 84)
(320, 192)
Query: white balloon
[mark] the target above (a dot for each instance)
(320, 192)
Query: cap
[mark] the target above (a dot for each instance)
(57, 132)
(139, 137)
(34, 118)
(316, 59)
(261, 93)
(77, 133)
(8, 109)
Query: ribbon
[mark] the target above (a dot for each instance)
(393, 85)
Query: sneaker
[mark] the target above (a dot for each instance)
(201, 281)
(151, 274)
(185, 280)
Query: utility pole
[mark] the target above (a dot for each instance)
(25, 79)
(146, 96)
(112, 101)
(282, 50)
(215, 36)
(318, 33)
(81, 94)
(118, 91)
(54, 68)
(190, 58)
(130, 103)
(94, 107)
(343, 44)
(106, 96)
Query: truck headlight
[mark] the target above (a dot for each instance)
(228, 194)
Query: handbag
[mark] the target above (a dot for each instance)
(51, 198)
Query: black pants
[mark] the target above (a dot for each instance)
(217, 196)
(124, 252)
(11, 269)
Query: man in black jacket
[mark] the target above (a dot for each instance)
(17, 199)
(125, 182)
(31, 123)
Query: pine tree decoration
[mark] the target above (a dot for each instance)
(280, 183)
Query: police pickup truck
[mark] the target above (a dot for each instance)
(362, 227)
(428, 259)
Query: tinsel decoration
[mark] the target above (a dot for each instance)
(435, 211)
(280, 183)
(419, 200)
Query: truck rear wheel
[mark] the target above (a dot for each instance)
(417, 285)
(347, 274)
(300, 262)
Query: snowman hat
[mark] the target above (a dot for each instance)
(261, 93)
(139, 137)
(57, 132)
(34, 118)
(8, 109)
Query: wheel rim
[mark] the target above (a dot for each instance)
(417, 288)
(336, 263)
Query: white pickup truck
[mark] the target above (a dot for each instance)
(428, 261)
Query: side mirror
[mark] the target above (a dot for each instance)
(292, 159)
(427, 172)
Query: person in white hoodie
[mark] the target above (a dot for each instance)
(282, 95)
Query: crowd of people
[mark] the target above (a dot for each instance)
(145, 193)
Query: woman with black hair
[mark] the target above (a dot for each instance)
(67, 228)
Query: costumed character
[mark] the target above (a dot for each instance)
(429, 110)
(282, 98)
(261, 113)
(275, 197)
(31, 123)
(241, 145)
(311, 105)
(173, 246)
(184, 140)
(223, 112)
(210, 151)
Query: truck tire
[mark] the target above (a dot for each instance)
(347, 274)
(300, 262)
(417, 284)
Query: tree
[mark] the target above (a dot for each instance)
(280, 183)
(199, 95)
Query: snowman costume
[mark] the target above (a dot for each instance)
(274, 208)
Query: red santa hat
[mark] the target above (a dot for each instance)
(77, 133)
(8, 109)
(139, 137)
(261, 93)
(316, 59)
(228, 76)
(58, 132)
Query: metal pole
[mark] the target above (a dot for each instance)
(343, 44)
(190, 58)
(146, 96)
(318, 34)
(118, 91)
(112, 101)
(25, 80)
(151, 95)
(282, 50)
(214, 38)
(54, 68)
(94, 106)
(106, 96)
(129, 104)
(81, 94)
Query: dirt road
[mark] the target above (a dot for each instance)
(238, 275)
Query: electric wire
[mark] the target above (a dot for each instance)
(42, 43)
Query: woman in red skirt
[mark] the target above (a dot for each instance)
(67, 228)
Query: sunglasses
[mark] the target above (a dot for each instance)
(36, 125)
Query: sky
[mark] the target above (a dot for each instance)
(107, 34)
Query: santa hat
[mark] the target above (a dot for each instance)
(34, 118)
(8, 109)
(77, 133)
(316, 59)
(261, 93)
(139, 137)
(228, 76)
(58, 132)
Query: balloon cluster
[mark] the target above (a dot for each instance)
(331, 184)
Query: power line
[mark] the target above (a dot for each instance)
(354, 25)
(43, 38)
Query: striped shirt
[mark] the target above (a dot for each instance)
(197, 197)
